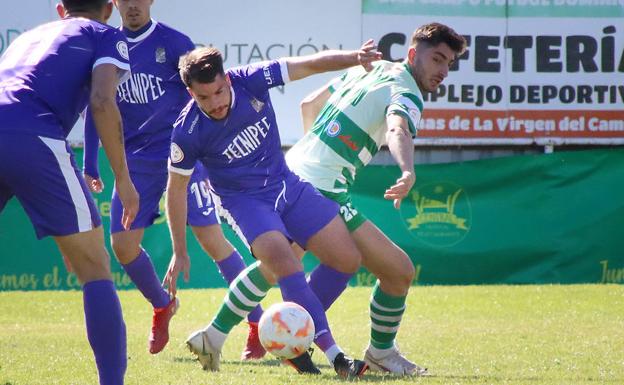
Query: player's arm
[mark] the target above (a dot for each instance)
(176, 216)
(401, 147)
(107, 119)
(90, 157)
(312, 104)
(332, 60)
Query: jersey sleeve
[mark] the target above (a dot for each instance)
(112, 48)
(259, 77)
(184, 45)
(183, 151)
(336, 82)
(409, 106)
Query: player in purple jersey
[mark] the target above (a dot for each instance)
(47, 76)
(150, 101)
(230, 127)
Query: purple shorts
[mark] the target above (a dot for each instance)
(42, 174)
(200, 204)
(294, 208)
(151, 186)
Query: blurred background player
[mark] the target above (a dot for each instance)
(359, 112)
(231, 128)
(150, 101)
(47, 77)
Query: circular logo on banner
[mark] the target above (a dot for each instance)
(122, 48)
(437, 214)
(333, 128)
(176, 153)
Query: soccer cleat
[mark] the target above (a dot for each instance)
(303, 364)
(159, 335)
(254, 349)
(199, 344)
(394, 362)
(349, 368)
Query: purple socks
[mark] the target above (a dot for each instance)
(106, 330)
(295, 289)
(141, 272)
(328, 283)
(230, 267)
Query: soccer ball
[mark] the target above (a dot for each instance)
(286, 330)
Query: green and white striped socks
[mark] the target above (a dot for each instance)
(244, 294)
(386, 312)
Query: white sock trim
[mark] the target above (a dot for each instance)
(332, 352)
(217, 338)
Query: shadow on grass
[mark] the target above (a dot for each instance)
(377, 377)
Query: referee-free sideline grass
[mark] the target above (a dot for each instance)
(532, 335)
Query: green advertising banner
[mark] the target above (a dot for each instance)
(496, 8)
(553, 218)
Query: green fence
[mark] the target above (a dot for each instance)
(554, 218)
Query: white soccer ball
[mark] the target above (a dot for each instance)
(286, 330)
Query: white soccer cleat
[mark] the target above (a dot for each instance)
(392, 361)
(199, 344)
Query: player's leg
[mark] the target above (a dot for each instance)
(60, 205)
(231, 264)
(206, 226)
(395, 272)
(246, 290)
(106, 330)
(312, 221)
(136, 261)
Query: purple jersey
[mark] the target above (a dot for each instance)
(150, 101)
(30, 99)
(242, 153)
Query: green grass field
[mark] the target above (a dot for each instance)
(464, 335)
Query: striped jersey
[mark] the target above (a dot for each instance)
(351, 127)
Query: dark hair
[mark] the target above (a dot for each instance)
(201, 65)
(84, 5)
(436, 33)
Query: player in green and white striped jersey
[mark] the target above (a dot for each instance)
(353, 116)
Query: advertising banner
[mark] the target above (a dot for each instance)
(552, 218)
(533, 69)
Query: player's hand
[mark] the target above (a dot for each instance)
(368, 54)
(129, 200)
(95, 184)
(180, 263)
(401, 188)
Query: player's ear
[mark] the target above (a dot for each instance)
(190, 91)
(108, 11)
(411, 54)
(60, 10)
(227, 79)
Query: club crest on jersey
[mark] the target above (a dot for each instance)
(122, 48)
(161, 55)
(333, 129)
(176, 154)
(256, 104)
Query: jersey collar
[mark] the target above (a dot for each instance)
(143, 35)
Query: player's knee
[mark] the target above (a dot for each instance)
(406, 272)
(399, 272)
(125, 252)
(92, 265)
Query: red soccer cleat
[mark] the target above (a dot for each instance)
(160, 326)
(254, 349)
